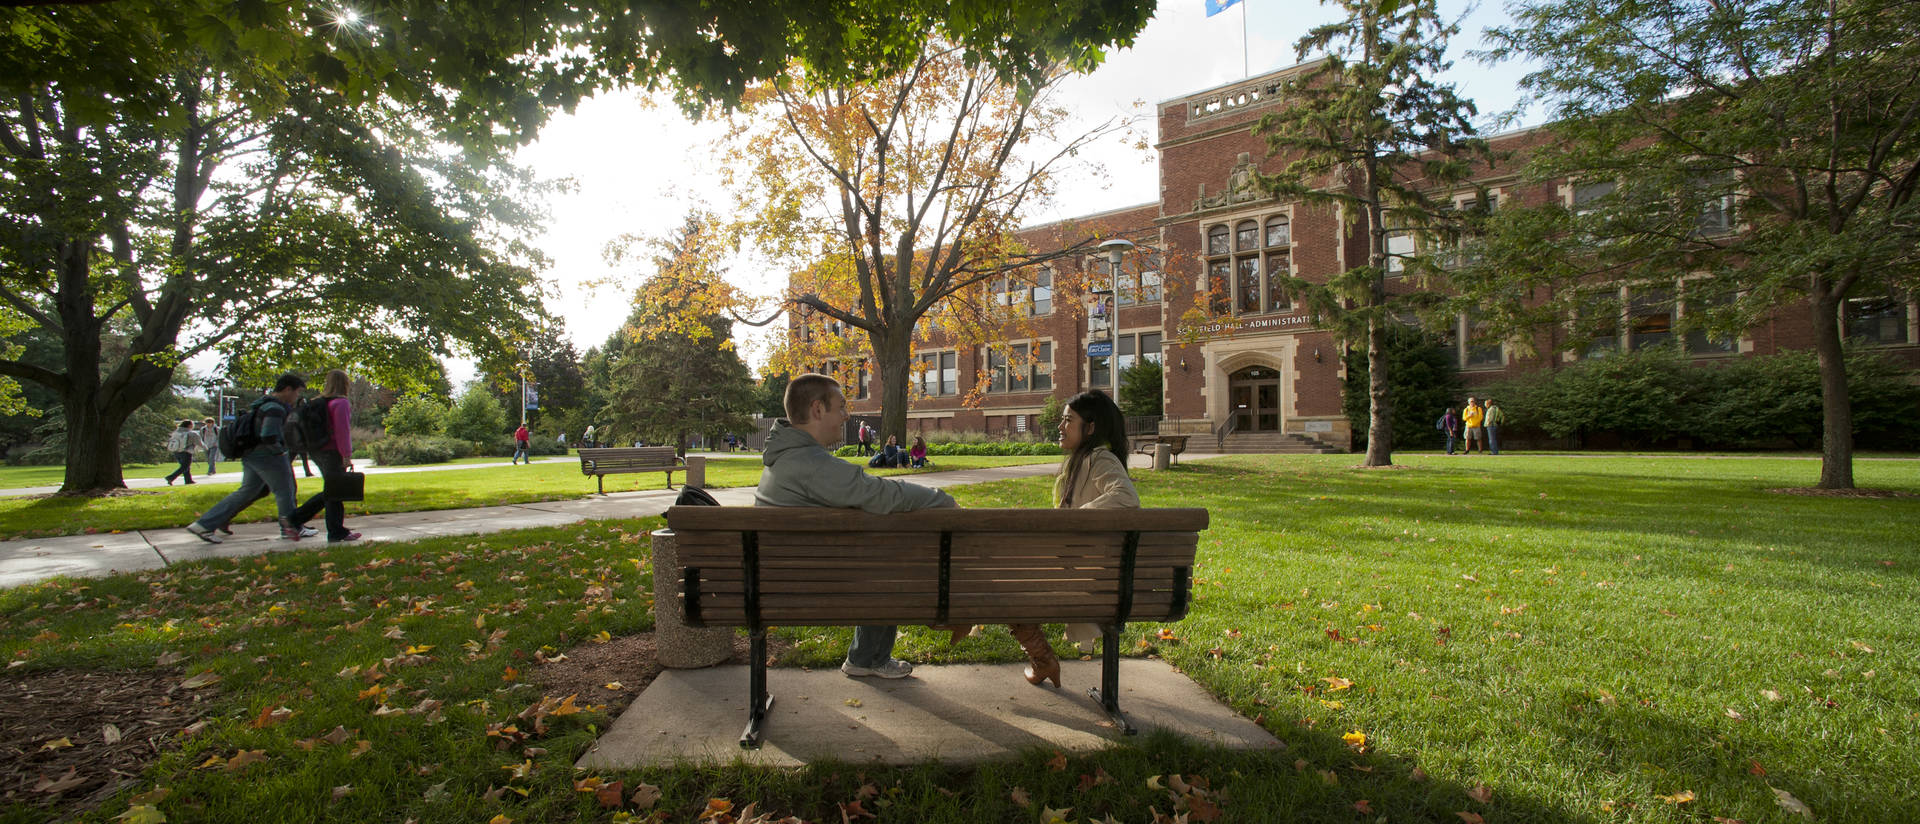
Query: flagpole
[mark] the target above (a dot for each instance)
(1245, 69)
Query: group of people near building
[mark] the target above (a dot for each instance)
(801, 470)
(1480, 423)
(266, 467)
(892, 456)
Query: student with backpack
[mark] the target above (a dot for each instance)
(522, 440)
(323, 426)
(258, 438)
(181, 445)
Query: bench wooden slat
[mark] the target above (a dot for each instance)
(812, 519)
(920, 589)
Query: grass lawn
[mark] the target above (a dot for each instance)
(1519, 639)
(174, 506)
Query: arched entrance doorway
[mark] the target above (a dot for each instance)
(1253, 395)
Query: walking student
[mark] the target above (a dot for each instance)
(1449, 425)
(210, 442)
(801, 471)
(263, 463)
(522, 440)
(181, 444)
(335, 457)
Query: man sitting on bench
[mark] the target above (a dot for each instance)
(801, 471)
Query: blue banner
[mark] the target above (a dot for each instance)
(1217, 6)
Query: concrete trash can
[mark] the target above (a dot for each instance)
(1162, 456)
(696, 472)
(680, 646)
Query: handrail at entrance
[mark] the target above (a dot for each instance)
(1221, 432)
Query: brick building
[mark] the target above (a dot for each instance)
(1232, 345)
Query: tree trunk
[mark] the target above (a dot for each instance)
(895, 353)
(93, 447)
(1379, 397)
(1836, 442)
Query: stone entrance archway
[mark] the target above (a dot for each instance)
(1253, 399)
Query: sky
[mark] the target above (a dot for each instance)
(637, 169)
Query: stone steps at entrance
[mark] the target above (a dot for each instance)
(1275, 443)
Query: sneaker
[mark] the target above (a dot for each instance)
(204, 533)
(351, 536)
(308, 532)
(893, 668)
(289, 532)
(226, 530)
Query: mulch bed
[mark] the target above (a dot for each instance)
(1817, 492)
(628, 660)
(75, 738)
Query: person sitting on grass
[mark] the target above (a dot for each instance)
(917, 456)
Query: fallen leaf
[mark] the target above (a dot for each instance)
(55, 786)
(852, 702)
(270, 716)
(1019, 796)
(1470, 818)
(851, 810)
(142, 814)
(602, 637)
(57, 744)
(342, 791)
(500, 819)
(1355, 739)
(1049, 815)
(1058, 763)
(204, 679)
(1363, 806)
(716, 807)
(615, 686)
(168, 659)
(1681, 797)
(1735, 714)
(1791, 804)
(610, 795)
(1770, 695)
(645, 796)
(1481, 793)
(340, 735)
(1335, 683)
(150, 797)
(246, 758)
(110, 733)
(1754, 768)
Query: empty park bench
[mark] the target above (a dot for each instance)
(614, 461)
(1144, 444)
(757, 567)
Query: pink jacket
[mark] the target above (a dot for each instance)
(340, 417)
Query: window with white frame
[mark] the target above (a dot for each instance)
(1247, 263)
(1021, 367)
(1034, 295)
(936, 373)
(1139, 287)
(1132, 347)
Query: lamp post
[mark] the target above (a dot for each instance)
(521, 367)
(1115, 248)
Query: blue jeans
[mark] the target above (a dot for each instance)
(520, 453)
(212, 452)
(1450, 439)
(262, 468)
(186, 467)
(872, 646)
(1493, 439)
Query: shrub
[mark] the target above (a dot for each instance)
(1141, 390)
(476, 417)
(1422, 377)
(416, 416)
(958, 447)
(407, 451)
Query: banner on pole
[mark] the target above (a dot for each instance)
(1217, 6)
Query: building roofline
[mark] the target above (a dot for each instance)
(1295, 68)
(1155, 204)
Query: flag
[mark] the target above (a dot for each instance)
(1217, 6)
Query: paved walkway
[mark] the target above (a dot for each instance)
(232, 475)
(35, 559)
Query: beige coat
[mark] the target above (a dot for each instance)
(1102, 483)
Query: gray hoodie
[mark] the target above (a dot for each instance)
(801, 472)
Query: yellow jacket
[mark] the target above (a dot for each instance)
(1473, 415)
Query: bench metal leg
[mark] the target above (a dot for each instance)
(1108, 693)
(602, 480)
(669, 479)
(758, 701)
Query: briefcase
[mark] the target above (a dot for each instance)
(347, 486)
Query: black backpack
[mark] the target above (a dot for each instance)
(307, 427)
(242, 435)
(694, 496)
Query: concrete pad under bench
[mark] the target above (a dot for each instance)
(956, 713)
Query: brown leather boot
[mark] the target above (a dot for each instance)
(1041, 664)
(958, 631)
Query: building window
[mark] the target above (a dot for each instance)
(1043, 292)
(1131, 348)
(1467, 346)
(1100, 372)
(1597, 319)
(1034, 298)
(1400, 246)
(937, 373)
(1586, 196)
(1249, 279)
(1716, 212)
(1139, 287)
(1696, 304)
(1649, 318)
(1879, 320)
(1026, 367)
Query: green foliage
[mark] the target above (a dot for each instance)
(1141, 389)
(1655, 396)
(408, 450)
(773, 395)
(1421, 375)
(416, 416)
(475, 417)
(1050, 417)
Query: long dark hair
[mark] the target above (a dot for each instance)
(1109, 432)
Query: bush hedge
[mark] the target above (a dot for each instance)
(976, 448)
(1658, 397)
(413, 450)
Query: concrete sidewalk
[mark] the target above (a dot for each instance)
(36, 559)
(232, 475)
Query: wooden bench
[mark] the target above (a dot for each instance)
(757, 567)
(603, 462)
(1144, 444)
